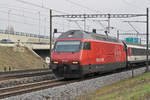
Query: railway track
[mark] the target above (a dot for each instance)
(27, 88)
(31, 87)
(23, 73)
(15, 78)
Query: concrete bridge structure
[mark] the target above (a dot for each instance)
(38, 43)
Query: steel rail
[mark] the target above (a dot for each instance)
(32, 87)
(23, 72)
(27, 88)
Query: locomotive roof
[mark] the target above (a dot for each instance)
(71, 34)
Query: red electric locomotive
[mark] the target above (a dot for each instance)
(77, 53)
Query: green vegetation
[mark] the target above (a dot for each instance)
(18, 58)
(137, 88)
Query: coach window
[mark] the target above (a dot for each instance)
(87, 46)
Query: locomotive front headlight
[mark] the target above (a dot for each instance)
(75, 62)
(55, 62)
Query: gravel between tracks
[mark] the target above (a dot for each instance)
(19, 81)
(69, 91)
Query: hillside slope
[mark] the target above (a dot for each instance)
(19, 58)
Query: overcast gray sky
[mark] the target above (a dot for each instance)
(28, 18)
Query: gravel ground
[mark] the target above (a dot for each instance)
(70, 91)
(13, 82)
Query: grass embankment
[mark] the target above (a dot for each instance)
(18, 58)
(137, 88)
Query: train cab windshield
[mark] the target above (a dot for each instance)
(67, 46)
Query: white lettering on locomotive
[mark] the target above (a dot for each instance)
(99, 59)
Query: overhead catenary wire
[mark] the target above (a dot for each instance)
(82, 6)
(40, 6)
(129, 22)
(24, 11)
(132, 4)
(22, 16)
(100, 22)
(18, 15)
(3, 19)
(76, 22)
(33, 10)
(30, 3)
(25, 22)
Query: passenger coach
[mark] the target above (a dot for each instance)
(136, 54)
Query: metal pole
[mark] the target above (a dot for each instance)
(108, 23)
(44, 28)
(39, 25)
(50, 33)
(84, 23)
(8, 23)
(42, 3)
(147, 38)
(118, 34)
